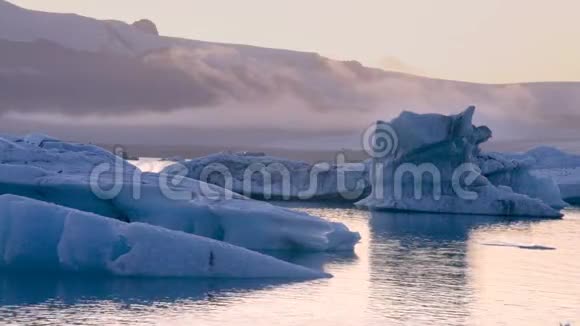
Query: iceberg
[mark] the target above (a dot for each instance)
(550, 162)
(260, 176)
(546, 157)
(435, 165)
(41, 237)
(53, 155)
(568, 181)
(518, 175)
(64, 175)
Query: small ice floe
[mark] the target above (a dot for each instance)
(518, 245)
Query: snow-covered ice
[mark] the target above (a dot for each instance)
(449, 144)
(41, 237)
(61, 174)
(261, 176)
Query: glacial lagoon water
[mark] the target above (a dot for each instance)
(409, 269)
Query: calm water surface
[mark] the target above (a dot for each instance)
(408, 270)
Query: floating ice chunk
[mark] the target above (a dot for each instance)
(517, 175)
(546, 157)
(549, 162)
(60, 173)
(567, 179)
(58, 156)
(248, 223)
(260, 176)
(423, 172)
(37, 236)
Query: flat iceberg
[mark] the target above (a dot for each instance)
(62, 175)
(435, 165)
(546, 157)
(260, 176)
(53, 155)
(41, 237)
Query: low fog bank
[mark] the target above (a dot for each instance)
(109, 82)
(309, 145)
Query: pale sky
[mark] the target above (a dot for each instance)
(491, 41)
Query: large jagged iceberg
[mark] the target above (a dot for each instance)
(261, 176)
(40, 237)
(435, 165)
(63, 173)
